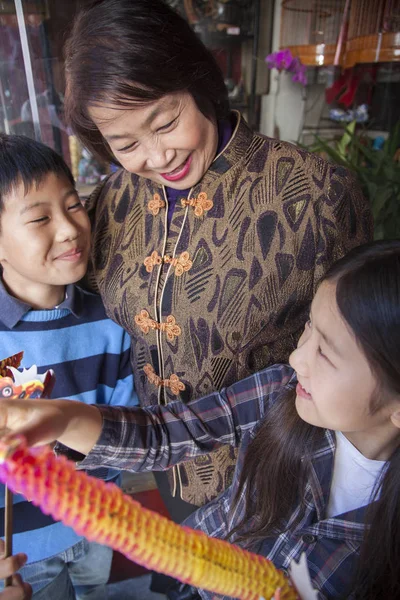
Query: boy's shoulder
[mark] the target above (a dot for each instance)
(90, 307)
(80, 307)
(87, 305)
(87, 298)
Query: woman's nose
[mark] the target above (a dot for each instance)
(160, 158)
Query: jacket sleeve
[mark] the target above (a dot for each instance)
(344, 220)
(158, 437)
(89, 281)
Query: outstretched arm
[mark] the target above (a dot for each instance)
(149, 438)
(73, 423)
(158, 437)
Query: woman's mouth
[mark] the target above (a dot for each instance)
(302, 392)
(180, 172)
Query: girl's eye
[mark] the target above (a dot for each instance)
(167, 126)
(325, 358)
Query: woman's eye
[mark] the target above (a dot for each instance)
(126, 148)
(167, 126)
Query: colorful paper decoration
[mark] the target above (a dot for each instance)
(102, 513)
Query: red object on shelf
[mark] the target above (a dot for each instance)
(343, 89)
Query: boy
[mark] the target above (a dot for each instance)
(44, 251)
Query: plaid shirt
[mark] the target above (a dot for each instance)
(157, 437)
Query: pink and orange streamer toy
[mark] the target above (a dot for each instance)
(102, 513)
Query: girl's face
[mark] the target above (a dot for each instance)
(168, 141)
(336, 385)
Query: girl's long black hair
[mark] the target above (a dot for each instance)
(277, 461)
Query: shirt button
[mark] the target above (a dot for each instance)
(308, 538)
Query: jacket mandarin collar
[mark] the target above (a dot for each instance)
(232, 153)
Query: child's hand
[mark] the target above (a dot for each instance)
(40, 421)
(75, 424)
(8, 566)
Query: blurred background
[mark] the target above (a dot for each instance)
(324, 74)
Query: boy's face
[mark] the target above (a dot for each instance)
(44, 237)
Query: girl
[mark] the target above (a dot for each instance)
(319, 463)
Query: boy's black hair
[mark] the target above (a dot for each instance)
(23, 160)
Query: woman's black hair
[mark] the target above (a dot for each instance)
(277, 462)
(26, 161)
(131, 52)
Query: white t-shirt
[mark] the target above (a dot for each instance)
(354, 477)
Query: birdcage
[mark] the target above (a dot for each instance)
(310, 28)
(374, 32)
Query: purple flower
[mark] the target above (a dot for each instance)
(294, 66)
(283, 60)
(300, 75)
(270, 60)
(280, 60)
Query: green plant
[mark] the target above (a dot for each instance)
(378, 171)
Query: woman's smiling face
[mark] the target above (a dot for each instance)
(168, 141)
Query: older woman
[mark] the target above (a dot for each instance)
(209, 241)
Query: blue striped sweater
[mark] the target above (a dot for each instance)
(90, 356)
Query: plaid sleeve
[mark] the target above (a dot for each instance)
(158, 437)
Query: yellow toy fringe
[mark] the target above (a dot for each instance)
(102, 513)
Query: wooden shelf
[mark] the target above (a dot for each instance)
(380, 47)
(314, 55)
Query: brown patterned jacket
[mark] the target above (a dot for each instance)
(227, 289)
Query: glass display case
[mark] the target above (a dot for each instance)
(32, 78)
(32, 85)
(228, 28)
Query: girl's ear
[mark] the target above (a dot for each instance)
(395, 418)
